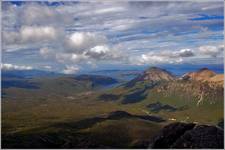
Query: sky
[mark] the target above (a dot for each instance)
(70, 37)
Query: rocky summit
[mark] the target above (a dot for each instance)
(153, 75)
(157, 74)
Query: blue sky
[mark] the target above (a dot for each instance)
(76, 36)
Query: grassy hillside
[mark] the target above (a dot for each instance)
(64, 112)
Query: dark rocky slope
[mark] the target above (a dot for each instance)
(188, 135)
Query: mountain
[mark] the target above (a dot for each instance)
(157, 74)
(59, 84)
(202, 74)
(28, 73)
(205, 75)
(70, 112)
(160, 92)
(152, 75)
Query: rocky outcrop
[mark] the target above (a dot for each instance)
(188, 135)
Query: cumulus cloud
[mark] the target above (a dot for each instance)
(28, 34)
(185, 53)
(97, 53)
(80, 33)
(82, 47)
(38, 33)
(212, 51)
(80, 41)
(70, 69)
(103, 52)
(15, 67)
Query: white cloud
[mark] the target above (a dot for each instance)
(70, 70)
(212, 51)
(155, 59)
(33, 14)
(80, 41)
(110, 10)
(99, 49)
(15, 67)
(95, 54)
(184, 53)
(91, 32)
(162, 57)
(28, 34)
(48, 67)
(221, 48)
(47, 52)
(103, 52)
(37, 33)
(10, 37)
(82, 47)
(70, 57)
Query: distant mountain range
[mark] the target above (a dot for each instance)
(53, 82)
(28, 73)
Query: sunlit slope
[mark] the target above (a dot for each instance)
(157, 91)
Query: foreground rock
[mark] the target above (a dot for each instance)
(188, 135)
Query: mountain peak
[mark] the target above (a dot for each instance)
(157, 74)
(153, 75)
(204, 69)
(154, 68)
(201, 74)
